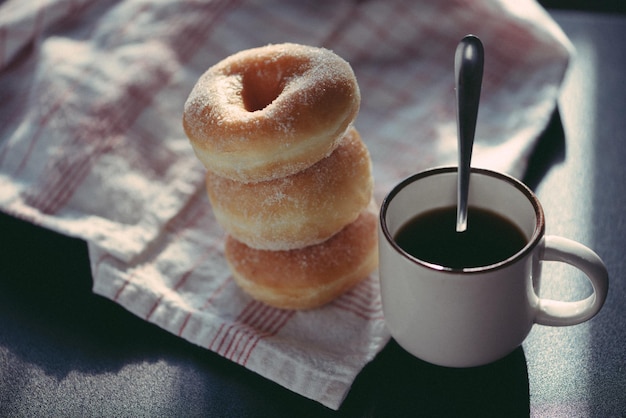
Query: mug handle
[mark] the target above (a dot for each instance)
(559, 313)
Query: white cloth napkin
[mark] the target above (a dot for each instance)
(91, 145)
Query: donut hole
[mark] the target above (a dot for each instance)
(259, 90)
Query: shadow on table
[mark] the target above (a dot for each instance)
(549, 151)
(400, 385)
(46, 299)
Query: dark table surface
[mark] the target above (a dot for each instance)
(67, 352)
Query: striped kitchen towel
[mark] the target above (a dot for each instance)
(91, 145)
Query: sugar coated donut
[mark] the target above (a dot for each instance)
(299, 210)
(270, 112)
(307, 277)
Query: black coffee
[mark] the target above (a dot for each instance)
(432, 237)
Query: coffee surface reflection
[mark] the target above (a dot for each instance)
(489, 239)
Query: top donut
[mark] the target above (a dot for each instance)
(270, 112)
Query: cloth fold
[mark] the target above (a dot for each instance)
(91, 145)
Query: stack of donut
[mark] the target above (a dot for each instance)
(288, 176)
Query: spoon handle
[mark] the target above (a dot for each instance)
(468, 71)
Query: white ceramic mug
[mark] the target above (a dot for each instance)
(470, 317)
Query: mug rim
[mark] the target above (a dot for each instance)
(534, 240)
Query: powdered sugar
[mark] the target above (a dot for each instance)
(257, 104)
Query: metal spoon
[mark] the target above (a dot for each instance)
(468, 71)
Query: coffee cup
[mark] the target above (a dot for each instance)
(458, 310)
